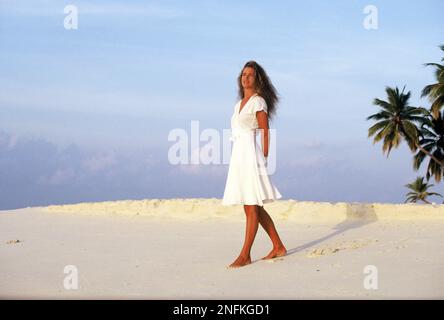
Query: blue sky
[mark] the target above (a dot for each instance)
(85, 114)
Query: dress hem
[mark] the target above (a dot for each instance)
(264, 201)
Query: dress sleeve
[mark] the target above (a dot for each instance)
(259, 105)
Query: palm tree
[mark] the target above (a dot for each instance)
(419, 191)
(432, 140)
(397, 122)
(435, 91)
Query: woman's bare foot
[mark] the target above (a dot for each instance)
(240, 262)
(278, 252)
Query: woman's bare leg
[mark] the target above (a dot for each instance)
(267, 223)
(252, 216)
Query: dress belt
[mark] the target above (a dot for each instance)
(236, 134)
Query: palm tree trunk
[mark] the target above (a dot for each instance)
(430, 155)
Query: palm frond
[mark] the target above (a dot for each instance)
(380, 115)
(372, 130)
(383, 104)
(381, 134)
(437, 105)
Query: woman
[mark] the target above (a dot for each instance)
(248, 182)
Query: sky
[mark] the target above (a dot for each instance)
(85, 113)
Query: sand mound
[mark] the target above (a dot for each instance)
(292, 210)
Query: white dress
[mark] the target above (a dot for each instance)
(248, 182)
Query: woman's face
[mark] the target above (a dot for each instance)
(248, 78)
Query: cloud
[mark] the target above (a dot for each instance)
(59, 177)
(7, 140)
(100, 162)
(312, 144)
(311, 161)
(34, 171)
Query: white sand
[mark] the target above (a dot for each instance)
(179, 249)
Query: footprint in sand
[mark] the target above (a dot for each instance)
(336, 247)
(13, 241)
(274, 260)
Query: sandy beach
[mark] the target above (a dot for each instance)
(180, 249)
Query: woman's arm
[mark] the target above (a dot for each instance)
(262, 120)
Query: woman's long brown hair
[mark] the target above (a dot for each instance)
(264, 87)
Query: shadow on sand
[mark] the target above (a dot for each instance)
(357, 215)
